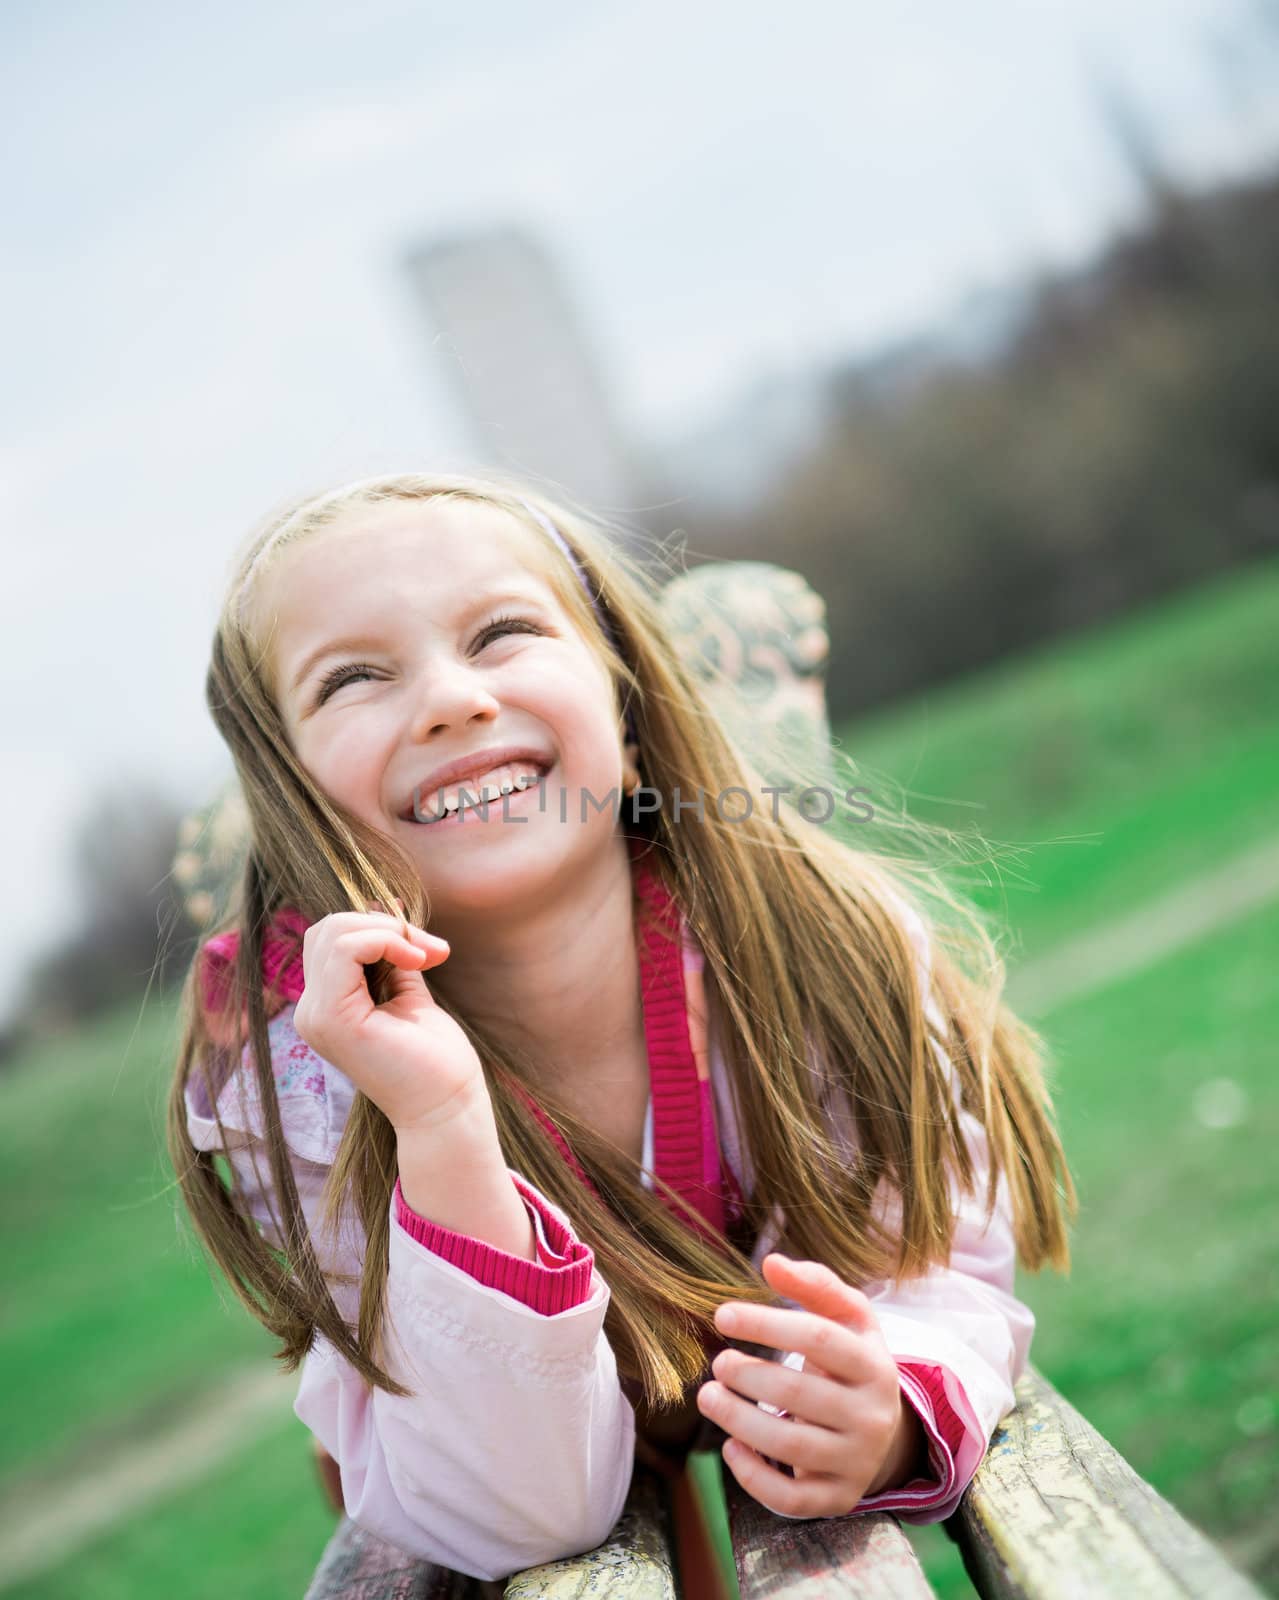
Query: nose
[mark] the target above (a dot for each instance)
(452, 695)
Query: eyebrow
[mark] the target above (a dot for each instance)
(372, 641)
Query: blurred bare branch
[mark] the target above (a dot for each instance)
(1122, 442)
(128, 914)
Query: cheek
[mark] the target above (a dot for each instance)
(341, 757)
(590, 716)
(570, 690)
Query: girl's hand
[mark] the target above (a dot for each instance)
(407, 1055)
(851, 1432)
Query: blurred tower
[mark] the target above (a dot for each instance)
(522, 365)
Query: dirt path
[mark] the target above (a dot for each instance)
(1127, 945)
(42, 1531)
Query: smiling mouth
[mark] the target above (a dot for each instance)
(488, 794)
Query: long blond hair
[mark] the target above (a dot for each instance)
(810, 966)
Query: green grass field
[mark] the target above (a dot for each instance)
(1150, 747)
(1103, 774)
(1101, 771)
(1164, 1335)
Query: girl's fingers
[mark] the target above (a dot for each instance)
(406, 983)
(797, 1444)
(337, 949)
(790, 1497)
(419, 936)
(336, 976)
(408, 930)
(837, 1349)
(819, 1400)
(362, 947)
(818, 1289)
(340, 924)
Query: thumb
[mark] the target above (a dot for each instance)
(818, 1289)
(406, 983)
(408, 967)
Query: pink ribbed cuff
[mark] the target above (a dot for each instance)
(925, 1388)
(559, 1279)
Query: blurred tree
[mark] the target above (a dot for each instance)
(128, 913)
(1121, 443)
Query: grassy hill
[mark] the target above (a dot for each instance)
(1103, 774)
(1101, 771)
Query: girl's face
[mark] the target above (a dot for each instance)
(410, 636)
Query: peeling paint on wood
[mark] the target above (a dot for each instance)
(1055, 1513)
(635, 1563)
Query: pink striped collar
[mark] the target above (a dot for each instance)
(683, 1110)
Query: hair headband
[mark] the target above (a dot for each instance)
(605, 625)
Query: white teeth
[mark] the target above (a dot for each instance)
(502, 781)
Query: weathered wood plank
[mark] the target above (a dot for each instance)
(1055, 1513)
(357, 1565)
(636, 1562)
(867, 1556)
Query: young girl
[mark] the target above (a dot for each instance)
(537, 1028)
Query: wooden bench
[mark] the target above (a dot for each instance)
(1053, 1513)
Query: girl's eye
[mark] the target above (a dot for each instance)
(506, 625)
(337, 676)
(350, 671)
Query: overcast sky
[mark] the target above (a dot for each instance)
(203, 213)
